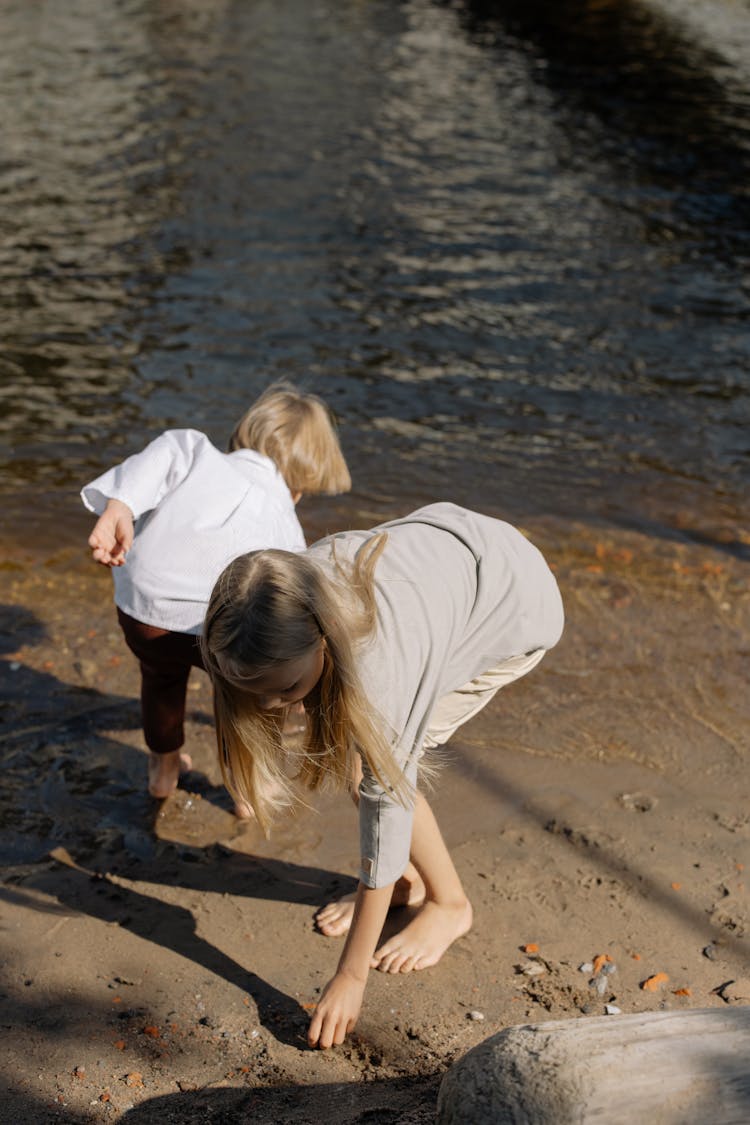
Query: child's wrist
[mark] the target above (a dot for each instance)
(352, 974)
(113, 504)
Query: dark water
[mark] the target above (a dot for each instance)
(508, 241)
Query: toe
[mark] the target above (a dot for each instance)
(407, 965)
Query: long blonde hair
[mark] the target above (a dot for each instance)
(298, 432)
(269, 607)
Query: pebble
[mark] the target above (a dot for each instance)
(612, 1010)
(586, 967)
(476, 1015)
(530, 968)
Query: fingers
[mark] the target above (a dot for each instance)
(102, 555)
(110, 544)
(336, 1013)
(328, 1029)
(124, 535)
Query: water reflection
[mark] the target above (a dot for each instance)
(496, 236)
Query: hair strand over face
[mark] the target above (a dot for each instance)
(269, 607)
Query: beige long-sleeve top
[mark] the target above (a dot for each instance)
(457, 594)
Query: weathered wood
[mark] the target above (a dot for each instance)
(653, 1068)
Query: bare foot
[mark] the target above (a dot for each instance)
(164, 772)
(335, 919)
(424, 941)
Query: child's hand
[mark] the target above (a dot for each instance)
(112, 536)
(337, 1011)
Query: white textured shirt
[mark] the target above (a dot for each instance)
(457, 594)
(196, 509)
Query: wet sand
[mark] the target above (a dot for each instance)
(161, 961)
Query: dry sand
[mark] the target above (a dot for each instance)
(160, 961)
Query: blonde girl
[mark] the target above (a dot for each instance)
(172, 516)
(393, 637)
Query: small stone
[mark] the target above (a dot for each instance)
(710, 951)
(612, 1010)
(474, 1015)
(654, 983)
(530, 968)
(586, 967)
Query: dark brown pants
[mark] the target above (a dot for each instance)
(165, 659)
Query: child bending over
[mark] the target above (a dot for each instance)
(173, 516)
(393, 638)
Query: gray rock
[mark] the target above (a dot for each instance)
(687, 1067)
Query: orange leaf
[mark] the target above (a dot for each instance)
(676, 886)
(682, 992)
(600, 961)
(120, 1044)
(152, 1031)
(532, 947)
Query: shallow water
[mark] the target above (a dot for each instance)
(509, 242)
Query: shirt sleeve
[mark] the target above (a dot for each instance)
(385, 827)
(143, 480)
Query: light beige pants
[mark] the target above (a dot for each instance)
(456, 708)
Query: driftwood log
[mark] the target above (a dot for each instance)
(652, 1068)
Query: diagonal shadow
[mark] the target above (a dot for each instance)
(172, 927)
(393, 1101)
(598, 853)
(219, 870)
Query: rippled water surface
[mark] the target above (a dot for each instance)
(508, 241)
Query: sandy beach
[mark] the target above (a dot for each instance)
(161, 959)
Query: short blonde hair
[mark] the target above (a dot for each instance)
(298, 432)
(272, 606)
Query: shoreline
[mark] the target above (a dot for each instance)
(597, 807)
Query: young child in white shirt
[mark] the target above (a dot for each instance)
(393, 638)
(174, 515)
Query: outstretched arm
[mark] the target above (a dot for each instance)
(339, 1006)
(112, 536)
(144, 479)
